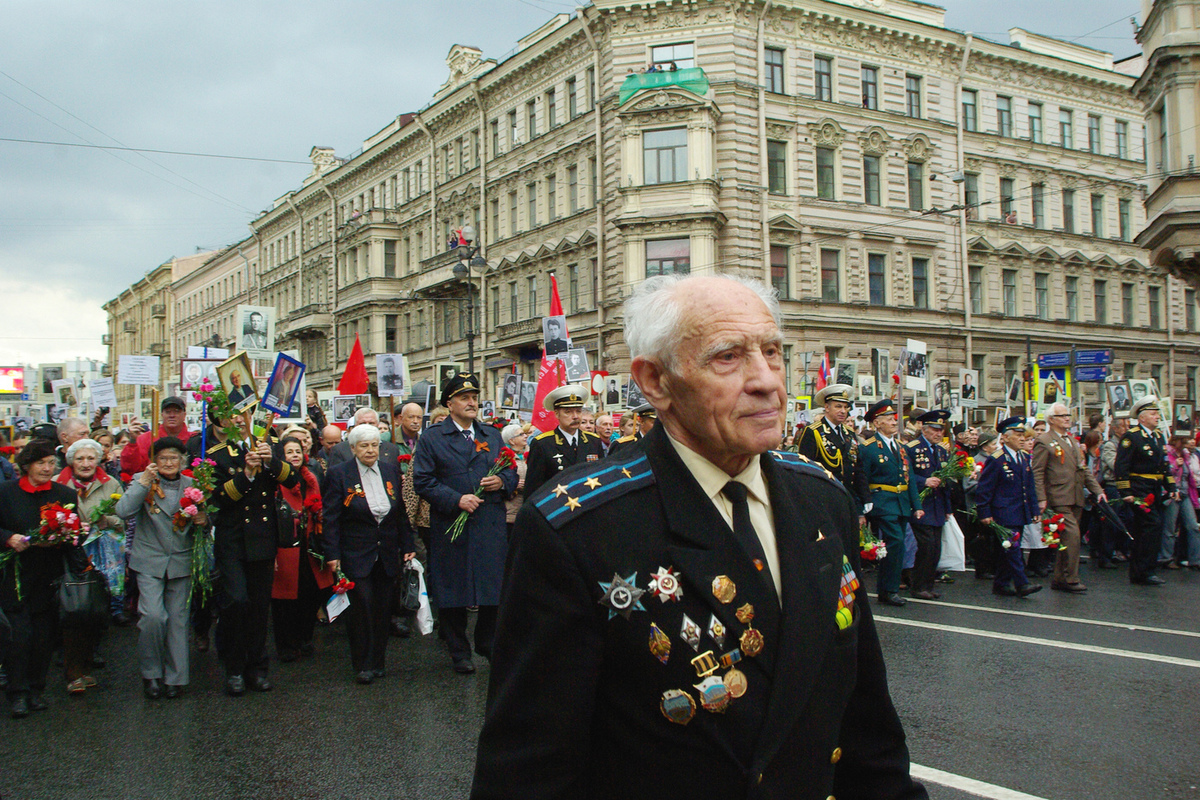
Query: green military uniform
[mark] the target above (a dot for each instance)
(892, 491)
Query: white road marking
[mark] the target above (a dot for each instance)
(978, 788)
(1059, 618)
(1012, 637)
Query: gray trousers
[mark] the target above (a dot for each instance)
(163, 637)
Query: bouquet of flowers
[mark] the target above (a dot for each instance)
(203, 483)
(343, 584)
(506, 460)
(218, 401)
(870, 548)
(189, 508)
(105, 509)
(960, 466)
(1050, 530)
(404, 458)
(1144, 503)
(58, 524)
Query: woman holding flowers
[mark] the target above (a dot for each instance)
(366, 530)
(166, 508)
(33, 549)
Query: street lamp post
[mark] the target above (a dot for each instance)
(468, 257)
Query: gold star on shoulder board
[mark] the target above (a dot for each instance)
(593, 482)
(572, 503)
(626, 473)
(560, 490)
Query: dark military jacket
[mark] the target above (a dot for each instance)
(836, 449)
(550, 454)
(887, 478)
(247, 526)
(624, 443)
(1141, 466)
(583, 677)
(926, 459)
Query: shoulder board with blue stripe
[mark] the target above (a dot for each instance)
(564, 500)
(798, 463)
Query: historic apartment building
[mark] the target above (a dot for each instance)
(890, 177)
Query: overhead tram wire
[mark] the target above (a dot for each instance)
(150, 150)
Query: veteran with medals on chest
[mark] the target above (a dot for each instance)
(685, 619)
(831, 443)
(1142, 478)
(565, 446)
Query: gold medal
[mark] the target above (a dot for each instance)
(751, 642)
(677, 706)
(735, 682)
(660, 643)
(745, 614)
(724, 589)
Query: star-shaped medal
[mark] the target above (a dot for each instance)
(592, 482)
(560, 490)
(664, 584)
(622, 596)
(572, 503)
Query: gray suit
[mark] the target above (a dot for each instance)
(162, 558)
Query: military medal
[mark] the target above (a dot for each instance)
(731, 658)
(660, 643)
(677, 706)
(716, 630)
(751, 642)
(622, 596)
(690, 633)
(664, 584)
(724, 589)
(713, 694)
(735, 682)
(745, 614)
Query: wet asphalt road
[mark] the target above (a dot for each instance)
(1055, 723)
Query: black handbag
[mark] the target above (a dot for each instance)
(83, 599)
(287, 520)
(410, 589)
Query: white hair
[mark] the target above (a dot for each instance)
(360, 416)
(362, 433)
(511, 432)
(1058, 408)
(653, 314)
(84, 444)
(69, 424)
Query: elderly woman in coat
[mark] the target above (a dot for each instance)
(161, 555)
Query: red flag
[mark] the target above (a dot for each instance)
(823, 372)
(552, 373)
(354, 379)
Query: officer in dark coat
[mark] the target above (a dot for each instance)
(1007, 495)
(565, 446)
(927, 456)
(831, 442)
(1141, 473)
(892, 492)
(685, 620)
(247, 530)
(646, 417)
(451, 462)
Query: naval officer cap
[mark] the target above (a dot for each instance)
(937, 417)
(880, 408)
(646, 410)
(570, 396)
(841, 392)
(459, 384)
(1145, 404)
(1011, 425)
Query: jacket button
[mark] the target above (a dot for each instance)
(264, 519)
(836, 756)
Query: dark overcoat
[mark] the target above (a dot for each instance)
(352, 535)
(247, 522)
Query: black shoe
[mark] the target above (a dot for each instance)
(1104, 563)
(378, 673)
(1029, 589)
(1150, 580)
(892, 599)
(1005, 590)
(120, 619)
(171, 691)
(925, 595)
(37, 702)
(259, 683)
(19, 707)
(464, 666)
(152, 687)
(98, 661)
(365, 677)
(235, 686)
(401, 628)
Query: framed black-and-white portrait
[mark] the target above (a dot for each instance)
(391, 374)
(968, 388)
(555, 343)
(1120, 399)
(845, 371)
(256, 331)
(510, 392)
(445, 371)
(237, 379)
(577, 366)
(528, 393)
(611, 397)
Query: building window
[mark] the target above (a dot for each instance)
(514, 138)
(531, 128)
(876, 279)
(971, 194)
(1072, 298)
(668, 256)
(777, 167)
(1093, 133)
(823, 78)
(551, 109)
(912, 95)
(531, 291)
(593, 89)
(870, 87)
(447, 324)
(682, 56)
(495, 290)
(1191, 383)
(1068, 200)
(970, 110)
(1004, 115)
(573, 188)
(1155, 297)
(593, 186)
(572, 99)
(552, 197)
(1037, 193)
(573, 288)
(1006, 199)
(1156, 374)
(1189, 308)
(389, 260)
(1066, 131)
(1129, 370)
(1010, 292)
(664, 155)
(871, 180)
(512, 213)
(495, 227)
(920, 282)
(1098, 215)
(1123, 219)
(512, 301)
(831, 275)
(1122, 129)
(531, 202)
(975, 276)
(1127, 304)
(825, 173)
(916, 186)
(1011, 365)
(1035, 122)
(774, 69)
(1100, 297)
(780, 271)
(1041, 294)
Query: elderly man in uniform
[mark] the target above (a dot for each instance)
(450, 469)
(1142, 477)
(684, 620)
(831, 442)
(887, 476)
(1061, 473)
(927, 456)
(1006, 495)
(646, 417)
(565, 446)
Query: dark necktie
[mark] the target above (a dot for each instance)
(467, 435)
(743, 529)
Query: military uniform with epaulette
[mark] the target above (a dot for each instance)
(551, 453)
(834, 447)
(1142, 472)
(244, 548)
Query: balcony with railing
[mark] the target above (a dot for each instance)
(307, 322)
(160, 349)
(158, 311)
(129, 326)
(692, 79)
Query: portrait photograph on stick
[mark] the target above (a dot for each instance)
(445, 372)
(554, 336)
(194, 371)
(612, 391)
(1120, 400)
(283, 385)
(237, 379)
(256, 331)
(577, 366)
(968, 391)
(391, 374)
(510, 391)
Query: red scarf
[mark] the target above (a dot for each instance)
(28, 486)
(67, 478)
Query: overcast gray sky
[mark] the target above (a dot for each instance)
(257, 79)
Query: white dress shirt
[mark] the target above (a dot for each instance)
(372, 483)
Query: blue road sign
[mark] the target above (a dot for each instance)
(1091, 358)
(1097, 374)
(1053, 360)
